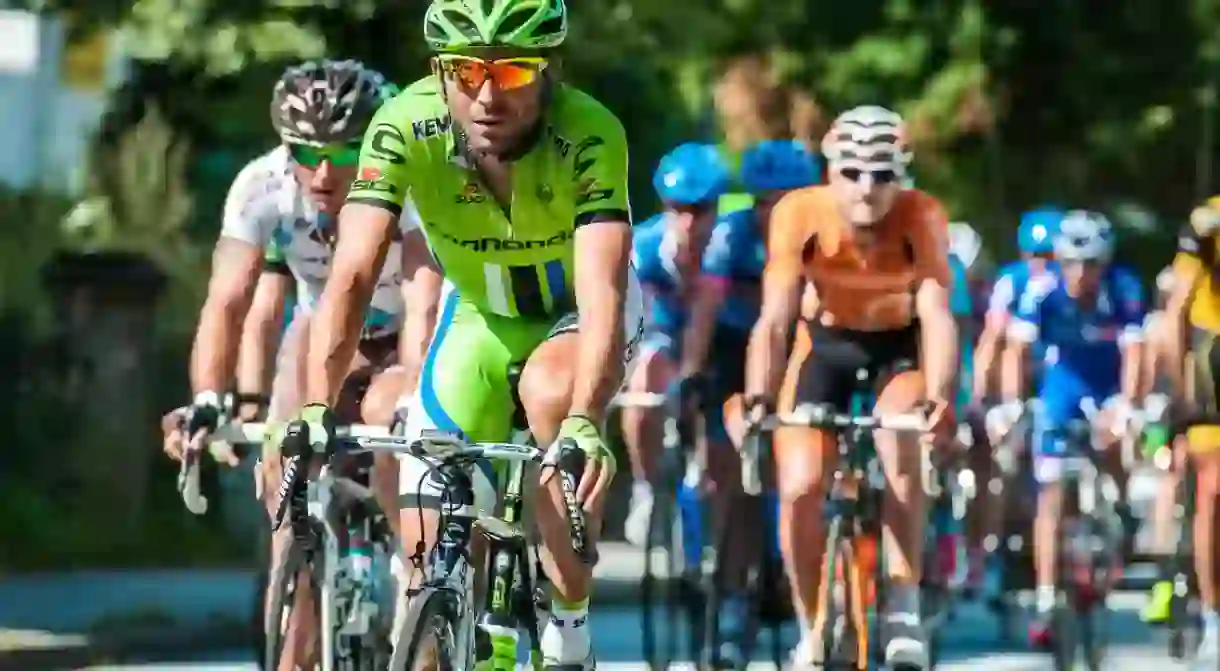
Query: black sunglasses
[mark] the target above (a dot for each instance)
(885, 176)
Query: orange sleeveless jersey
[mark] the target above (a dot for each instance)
(865, 290)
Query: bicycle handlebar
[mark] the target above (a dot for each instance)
(822, 415)
(639, 399)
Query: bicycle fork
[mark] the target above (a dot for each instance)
(511, 601)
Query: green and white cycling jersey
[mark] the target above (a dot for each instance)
(266, 207)
(508, 271)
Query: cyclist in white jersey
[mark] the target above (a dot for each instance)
(286, 201)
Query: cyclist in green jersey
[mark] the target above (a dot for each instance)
(510, 191)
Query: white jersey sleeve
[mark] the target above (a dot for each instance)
(409, 219)
(254, 204)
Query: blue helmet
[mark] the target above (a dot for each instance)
(690, 174)
(779, 165)
(1036, 234)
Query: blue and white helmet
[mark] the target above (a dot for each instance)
(965, 243)
(1084, 236)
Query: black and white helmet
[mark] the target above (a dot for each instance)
(868, 137)
(322, 102)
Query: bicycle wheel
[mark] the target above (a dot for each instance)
(1093, 637)
(844, 624)
(935, 600)
(1065, 618)
(279, 605)
(1185, 612)
(258, 620)
(756, 575)
(427, 638)
(661, 595)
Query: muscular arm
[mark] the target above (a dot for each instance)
(235, 271)
(421, 290)
(991, 342)
(697, 336)
(602, 256)
(766, 354)
(1132, 342)
(1133, 370)
(939, 338)
(260, 337)
(364, 240)
(1187, 275)
(937, 326)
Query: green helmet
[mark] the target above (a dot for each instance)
(453, 25)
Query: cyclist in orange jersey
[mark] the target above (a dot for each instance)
(876, 255)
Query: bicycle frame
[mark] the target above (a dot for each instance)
(846, 511)
(1184, 611)
(1095, 495)
(858, 478)
(509, 601)
(332, 513)
(449, 566)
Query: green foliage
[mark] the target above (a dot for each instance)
(140, 201)
(29, 235)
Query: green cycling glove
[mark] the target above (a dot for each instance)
(587, 437)
(319, 421)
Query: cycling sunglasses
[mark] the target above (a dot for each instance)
(880, 176)
(338, 155)
(506, 73)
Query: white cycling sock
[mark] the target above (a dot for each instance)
(566, 638)
(1045, 598)
(641, 490)
(1211, 618)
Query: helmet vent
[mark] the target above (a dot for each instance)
(515, 20)
(551, 26)
(463, 24)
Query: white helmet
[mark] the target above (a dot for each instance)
(1084, 236)
(965, 243)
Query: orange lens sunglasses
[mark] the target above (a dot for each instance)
(505, 73)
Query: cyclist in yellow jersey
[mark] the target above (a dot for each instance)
(1196, 299)
(509, 189)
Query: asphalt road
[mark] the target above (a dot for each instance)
(969, 642)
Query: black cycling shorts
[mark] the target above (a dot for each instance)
(829, 371)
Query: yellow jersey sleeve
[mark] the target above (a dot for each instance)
(1194, 263)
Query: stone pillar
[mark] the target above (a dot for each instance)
(105, 306)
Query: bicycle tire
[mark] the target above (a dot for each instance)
(661, 594)
(1063, 646)
(936, 601)
(258, 619)
(837, 625)
(279, 606)
(1092, 638)
(431, 616)
(758, 579)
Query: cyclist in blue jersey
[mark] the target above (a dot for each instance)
(965, 246)
(667, 252)
(992, 374)
(721, 315)
(714, 314)
(1035, 240)
(1090, 320)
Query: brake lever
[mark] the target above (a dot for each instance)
(288, 484)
